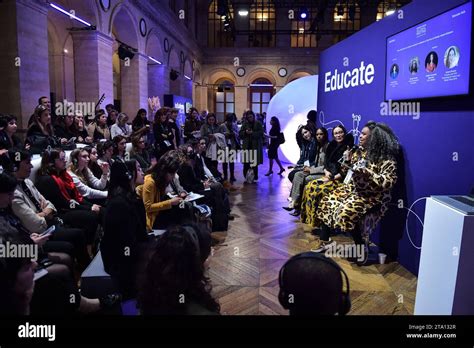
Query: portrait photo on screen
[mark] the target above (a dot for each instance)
(431, 61)
(413, 65)
(394, 70)
(451, 57)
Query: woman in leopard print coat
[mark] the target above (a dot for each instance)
(366, 189)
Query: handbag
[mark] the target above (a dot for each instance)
(250, 176)
(281, 138)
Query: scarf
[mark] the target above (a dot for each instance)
(67, 187)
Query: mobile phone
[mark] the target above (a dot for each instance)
(48, 231)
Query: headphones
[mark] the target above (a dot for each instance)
(345, 300)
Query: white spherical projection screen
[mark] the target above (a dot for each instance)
(291, 105)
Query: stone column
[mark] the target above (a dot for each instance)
(93, 67)
(241, 100)
(134, 78)
(24, 68)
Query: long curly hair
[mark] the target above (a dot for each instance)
(383, 144)
(174, 275)
(169, 163)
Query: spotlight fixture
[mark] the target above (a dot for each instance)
(187, 77)
(303, 13)
(174, 75)
(243, 13)
(390, 12)
(226, 23)
(154, 60)
(125, 52)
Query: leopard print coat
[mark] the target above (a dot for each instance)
(362, 197)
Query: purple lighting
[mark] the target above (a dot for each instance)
(70, 15)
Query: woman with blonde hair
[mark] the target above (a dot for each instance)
(87, 184)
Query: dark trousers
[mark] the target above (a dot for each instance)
(73, 236)
(83, 219)
(247, 167)
(175, 215)
(231, 166)
(356, 234)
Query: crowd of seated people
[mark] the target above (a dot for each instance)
(99, 196)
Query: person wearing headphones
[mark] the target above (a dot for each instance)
(87, 184)
(312, 284)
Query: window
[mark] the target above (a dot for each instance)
(386, 8)
(300, 36)
(260, 95)
(262, 24)
(224, 99)
(346, 19)
(216, 35)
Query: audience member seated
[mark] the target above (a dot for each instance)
(121, 127)
(125, 232)
(94, 165)
(40, 134)
(57, 186)
(308, 151)
(316, 189)
(203, 166)
(98, 130)
(163, 133)
(192, 125)
(111, 116)
(141, 125)
(64, 128)
(141, 154)
(105, 151)
(38, 214)
(175, 282)
(193, 177)
(120, 145)
(309, 173)
(161, 209)
(311, 124)
(311, 284)
(87, 184)
(369, 186)
(56, 292)
(8, 138)
(80, 130)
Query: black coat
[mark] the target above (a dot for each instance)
(124, 240)
(334, 153)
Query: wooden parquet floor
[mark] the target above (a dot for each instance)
(244, 268)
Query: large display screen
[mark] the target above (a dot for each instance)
(431, 59)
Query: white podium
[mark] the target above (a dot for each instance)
(446, 273)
